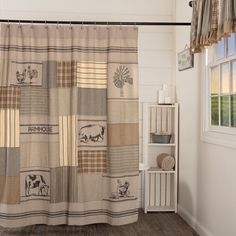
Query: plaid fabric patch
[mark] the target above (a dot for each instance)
(92, 161)
(214, 15)
(9, 97)
(66, 74)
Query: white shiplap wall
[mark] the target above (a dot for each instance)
(156, 44)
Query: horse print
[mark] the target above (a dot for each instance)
(35, 185)
(91, 133)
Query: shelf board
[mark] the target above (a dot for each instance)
(143, 166)
(160, 208)
(162, 144)
(158, 170)
(164, 105)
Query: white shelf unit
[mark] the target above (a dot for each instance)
(160, 186)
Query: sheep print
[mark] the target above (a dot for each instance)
(68, 125)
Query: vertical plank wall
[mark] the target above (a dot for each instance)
(156, 66)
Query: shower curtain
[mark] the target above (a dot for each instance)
(68, 125)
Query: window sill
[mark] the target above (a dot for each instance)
(226, 140)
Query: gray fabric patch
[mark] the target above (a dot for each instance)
(92, 102)
(9, 161)
(64, 184)
(123, 159)
(34, 101)
(49, 74)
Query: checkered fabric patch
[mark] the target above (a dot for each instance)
(9, 97)
(92, 161)
(66, 74)
(214, 15)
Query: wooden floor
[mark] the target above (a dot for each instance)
(153, 224)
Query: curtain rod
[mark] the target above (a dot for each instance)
(138, 23)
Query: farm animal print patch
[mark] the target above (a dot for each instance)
(119, 188)
(122, 190)
(26, 73)
(35, 184)
(92, 133)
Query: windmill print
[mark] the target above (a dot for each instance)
(122, 76)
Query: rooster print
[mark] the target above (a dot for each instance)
(122, 190)
(28, 75)
(121, 77)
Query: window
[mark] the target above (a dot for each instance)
(221, 66)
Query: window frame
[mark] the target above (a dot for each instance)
(221, 135)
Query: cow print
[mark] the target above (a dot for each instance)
(35, 185)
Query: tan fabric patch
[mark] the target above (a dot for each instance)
(10, 97)
(123, 134)
(10, 189)
(66, 74)
(92, 161)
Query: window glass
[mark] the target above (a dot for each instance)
(225, 78)
(220, 49)
(222, 83)
(215, 110)
(233, 110)
(234, 76)
(231, 45)
(214, 81)
(224, 110)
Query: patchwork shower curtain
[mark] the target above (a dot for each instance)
(68, 125)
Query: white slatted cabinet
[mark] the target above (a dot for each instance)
(160, 186)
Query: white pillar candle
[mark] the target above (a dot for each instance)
(161, 97)
(167, 100)
(164, 87)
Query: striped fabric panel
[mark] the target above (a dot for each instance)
(74, 216)
(64, 184)
(123, 159)
(34, 100)
(92, 161)
(92, 75)
(9, 128)
(67, 140)
(66, 74)
(10, 97)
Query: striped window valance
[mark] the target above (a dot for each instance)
(211, 20)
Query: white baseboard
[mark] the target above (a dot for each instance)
(193, 222)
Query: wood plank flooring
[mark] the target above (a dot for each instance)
(151, 224)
